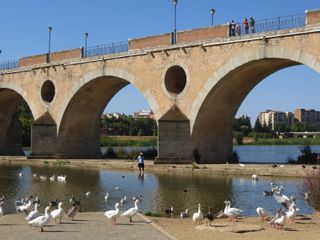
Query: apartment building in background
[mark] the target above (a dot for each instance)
(309, 116)
(273, 119)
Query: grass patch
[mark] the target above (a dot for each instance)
(45, 162)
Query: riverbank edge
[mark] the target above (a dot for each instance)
(285, 170)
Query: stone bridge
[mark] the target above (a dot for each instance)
(194, 87)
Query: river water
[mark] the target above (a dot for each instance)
(270, 154)
(247, 153)
(159, 191)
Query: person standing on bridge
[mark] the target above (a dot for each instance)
(140, 160)
(232, 28)
(246, 25)
(238, 29)
(252, 23)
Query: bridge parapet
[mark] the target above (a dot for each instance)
(54, 56)
(312, 17)
(220, 31)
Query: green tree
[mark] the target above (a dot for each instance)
(26, 121)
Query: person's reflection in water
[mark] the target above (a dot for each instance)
(141, 176)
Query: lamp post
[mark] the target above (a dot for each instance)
(49, 47)
(86, 35)
(212, 11)
(175, 3)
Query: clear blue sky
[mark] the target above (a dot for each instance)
(24, 31)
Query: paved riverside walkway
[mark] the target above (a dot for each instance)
(86, 226)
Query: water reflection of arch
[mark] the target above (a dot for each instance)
(207, 190)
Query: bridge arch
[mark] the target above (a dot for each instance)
(10, 129)
(21, 93)
(78, 122)
(223, 93)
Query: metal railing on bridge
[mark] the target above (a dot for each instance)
(105, 49)
(9, 64)
(272, 24)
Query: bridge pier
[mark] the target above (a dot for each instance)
(174, 138)
(43, 137)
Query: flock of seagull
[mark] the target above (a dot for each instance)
(54, 209)
(287, 212)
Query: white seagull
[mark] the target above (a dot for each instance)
(132, 211)
(255, 177)
(34, 214)
(25, 207)
(261, 213)
(62, 178)
(41, 221)
(1, 209)
(57, 213)
(184, 214)
(106, 197)
(197, 217)
(279, 222)
(113, 215)
(52, 178)
(232, 213)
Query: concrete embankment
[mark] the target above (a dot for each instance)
(208, 169)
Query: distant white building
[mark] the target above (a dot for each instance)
(114, 115)
(143, 114)
(272, 119)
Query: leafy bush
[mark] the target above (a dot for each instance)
(312, 185)
(307, 156)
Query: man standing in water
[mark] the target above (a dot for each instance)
(140, 160)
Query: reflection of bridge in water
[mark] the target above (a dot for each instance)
(194, 87)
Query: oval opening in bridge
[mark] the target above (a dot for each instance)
(47, 91)
(175, 79)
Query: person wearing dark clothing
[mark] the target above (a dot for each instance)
(232, 28)
(252, 23)
(246, 25)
